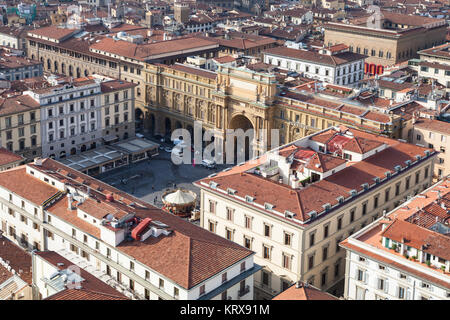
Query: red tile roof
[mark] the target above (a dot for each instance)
(19, 259)
(8, 157)
(304, 293)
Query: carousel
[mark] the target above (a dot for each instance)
(179, 202)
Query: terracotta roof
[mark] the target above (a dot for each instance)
(19, 259)
(416, 236)
(149, 50)
(433, 125)
(4, 274)
(53, 32)
(83, 294)
(34, 190)
(92, 287)
(193, 70)
(8, 157)
(17, 104)
(304, 293)
(303, 55)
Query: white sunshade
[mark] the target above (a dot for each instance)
(180, 197)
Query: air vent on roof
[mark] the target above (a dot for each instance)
(268, 206)
(312, 214)
(249, 198)
(213, 184)
(227, 169)
(365, 186)
(340, 199)
(212, 175)
(288, 214)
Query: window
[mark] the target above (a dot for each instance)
(364, 208)
(323, 279)
(311, 239)
(229, 234)
(325, 231)
(266, 230)
(338, 248)
(202, 290)
(131, 265)
(176, 292)
(336, 269)
(386, 195)
(265, 278)
(212, 206)
(161, 283)
(401, 292)
(310, 262)
(426, 173)
(325, 253)
(352, 214)
(339, 223)
(381, 284)
(212, 226)
(224, 277)
(247, 242)
(360, 275)
(286, 261)
(243, 266)
(248, 222)
(266, 252)
(230, 214)
(287, 239)
(417, 176)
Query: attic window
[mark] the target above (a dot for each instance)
(397, 168)
(312, 214)
(353, 192)
(427, 152)
(387, 174)
(376, 179)
(248, 198)
(408, 162)
(231, 191)
(340, 199)
(268, 206)
(365, 186)
(418, 157)
(213, 184)
(327, 206)
(288, 214)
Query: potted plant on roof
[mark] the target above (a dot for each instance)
(443, 269)
(394, 247)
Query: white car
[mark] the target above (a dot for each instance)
(210, 164)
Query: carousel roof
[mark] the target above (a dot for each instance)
(180, 197)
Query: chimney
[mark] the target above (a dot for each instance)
(69, 201)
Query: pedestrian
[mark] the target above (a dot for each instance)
(153, 187)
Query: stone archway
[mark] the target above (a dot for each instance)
(240, 121)
(152, 123)
(73, 151)
(139, 118)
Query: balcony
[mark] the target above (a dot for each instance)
(243, 292)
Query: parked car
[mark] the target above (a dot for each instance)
(210, 164)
